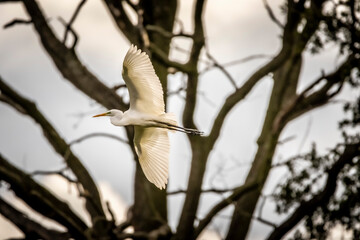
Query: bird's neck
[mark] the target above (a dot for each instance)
(117, 121)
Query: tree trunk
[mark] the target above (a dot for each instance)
(150, 204)
(285, 83)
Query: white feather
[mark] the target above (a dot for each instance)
(146, 94)
(152, 147)
(147, 115)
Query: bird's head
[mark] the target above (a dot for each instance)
(115, 116)
(111, 113)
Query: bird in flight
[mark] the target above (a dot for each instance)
(147, 115)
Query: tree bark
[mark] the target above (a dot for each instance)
(150, 203)
(285, 82)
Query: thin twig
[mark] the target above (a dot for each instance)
(272, 15)
(181, 89)
(261, 208)
(122, 226)
(285, 140)
(162, 56)
(69, 27)
(163, 32)
(322, 198)
(220, 67)
(118, 86)
(266, 222)
(60, 172)
(246, 59)
(111, 212)
(237, 193)
(90, 135)
(16, 21)
(132, 5)
(29, 226)
(61, 147)
(260, 218)
(143, 33)
(306, 134)
(40, 199)
(210, 190)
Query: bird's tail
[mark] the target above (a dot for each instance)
(170, 118)
(169, 122)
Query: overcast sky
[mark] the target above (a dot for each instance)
(234, 29)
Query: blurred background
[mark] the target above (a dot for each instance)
(234, 30)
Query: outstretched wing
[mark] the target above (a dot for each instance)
(146, 94)
(152, 147)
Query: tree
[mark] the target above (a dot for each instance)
(308, 26)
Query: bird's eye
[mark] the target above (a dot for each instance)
(108, 113)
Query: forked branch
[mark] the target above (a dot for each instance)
(236, 194)
(323, 197)
(30, 228)
(272, 15)
(122, 20)
(93, 205)
(16, 21)
(69, 64)
(40, 199)
(68, 26)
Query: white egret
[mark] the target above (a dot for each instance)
(147, 115)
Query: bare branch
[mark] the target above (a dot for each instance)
(285, 52)
(238, 61)
(307, 100)
(91, 135)
(237, 193)
(192, 83)
(243, 91)
(16, 21)
(260, 218)
(68, 63)
(163, 32)
(176, 92)
(30, 228)
(119, 86)
(322, 198)
(69, 27)
(272, 15)
(210, 190)
(60, 172)
(143, 33)
(40, 199)
(61, 148)
(285, 140)
(261, 208)
(16, 106)
(222, 69)
(111, 212)
(246, 59)
(159, 54)
(198, 163)
(266, 222)
(132, 5)
(122, 20)
(122, 226)
(158, 233)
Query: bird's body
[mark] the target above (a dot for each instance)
(147, 115)
(136, 118)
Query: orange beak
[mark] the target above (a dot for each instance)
(100, 115)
